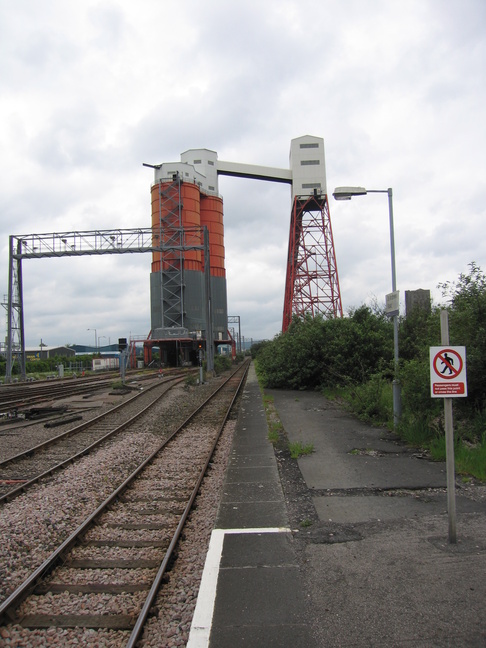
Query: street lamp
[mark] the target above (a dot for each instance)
(346, 193)
(96, 338)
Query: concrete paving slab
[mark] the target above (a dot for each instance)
(258, 550)
(252, 474)
(242, 460)
(266, 596)
(348, 453)
(373, 507)
(249, 515)
(260, 599)
(257, 491)
(268, 636)
(365, 508)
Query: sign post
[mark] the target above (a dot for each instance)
(448, 381)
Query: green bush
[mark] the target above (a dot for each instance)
(372, 400)
(222, 364)
(315, 353)
(417, 403)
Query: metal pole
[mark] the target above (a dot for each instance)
(449, 438)
(23, 373)
(15, 310)
(209, 314)
(10, 344)
(397, 405)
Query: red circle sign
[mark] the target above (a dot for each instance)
(448, 364)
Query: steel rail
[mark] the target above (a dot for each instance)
(36, 392)
(84, 426)
(79, 428)
(8, 606)
(138, 628)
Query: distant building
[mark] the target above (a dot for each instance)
(417, 299)
(48, 352)
(86, 349)
(105, 364)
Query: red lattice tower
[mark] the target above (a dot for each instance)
(312, 283)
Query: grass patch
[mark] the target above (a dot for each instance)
(191, 380)
(468, 460)
(418, 433)
(372, 401)
(437, 449)
(275, 427)
(298, 449)
(274, 430)
(471, 460)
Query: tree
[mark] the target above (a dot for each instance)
(319, 352)
(467, 324)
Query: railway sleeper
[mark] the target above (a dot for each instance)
(134, 526)
(92, 588)
(119, 563)
(127, 498)
(109, 622)
(126, 544)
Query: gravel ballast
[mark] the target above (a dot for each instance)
(36, 522)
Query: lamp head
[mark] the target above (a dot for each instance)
(346, 193)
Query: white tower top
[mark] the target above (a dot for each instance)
(308, 166)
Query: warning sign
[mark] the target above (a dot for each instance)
(392, 303)
(448, 372)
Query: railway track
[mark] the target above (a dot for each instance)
(105, 576)
(28, 467)
(17, 398)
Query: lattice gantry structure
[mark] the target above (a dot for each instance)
(312, 282)
(87, 243)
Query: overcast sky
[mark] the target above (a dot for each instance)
(90, 90)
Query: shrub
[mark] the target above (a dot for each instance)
(221, 364)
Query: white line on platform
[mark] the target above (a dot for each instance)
(203, 614)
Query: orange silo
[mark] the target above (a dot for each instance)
(212, 218)
(176, 207)
(178, 285)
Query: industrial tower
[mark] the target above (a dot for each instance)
(185, 202)
(312, 282)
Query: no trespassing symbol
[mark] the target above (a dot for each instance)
(448, 372)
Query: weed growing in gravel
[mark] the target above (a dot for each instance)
(275, 427)
(274, 430)
(191, 380)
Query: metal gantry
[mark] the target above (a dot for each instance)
(79, 243)
(312, 282)
(171, 267)
(235, 319)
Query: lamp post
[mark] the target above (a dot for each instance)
(346, 193)
(96, 338)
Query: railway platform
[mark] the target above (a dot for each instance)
(347, 546)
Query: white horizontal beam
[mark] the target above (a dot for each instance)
(254, 171)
